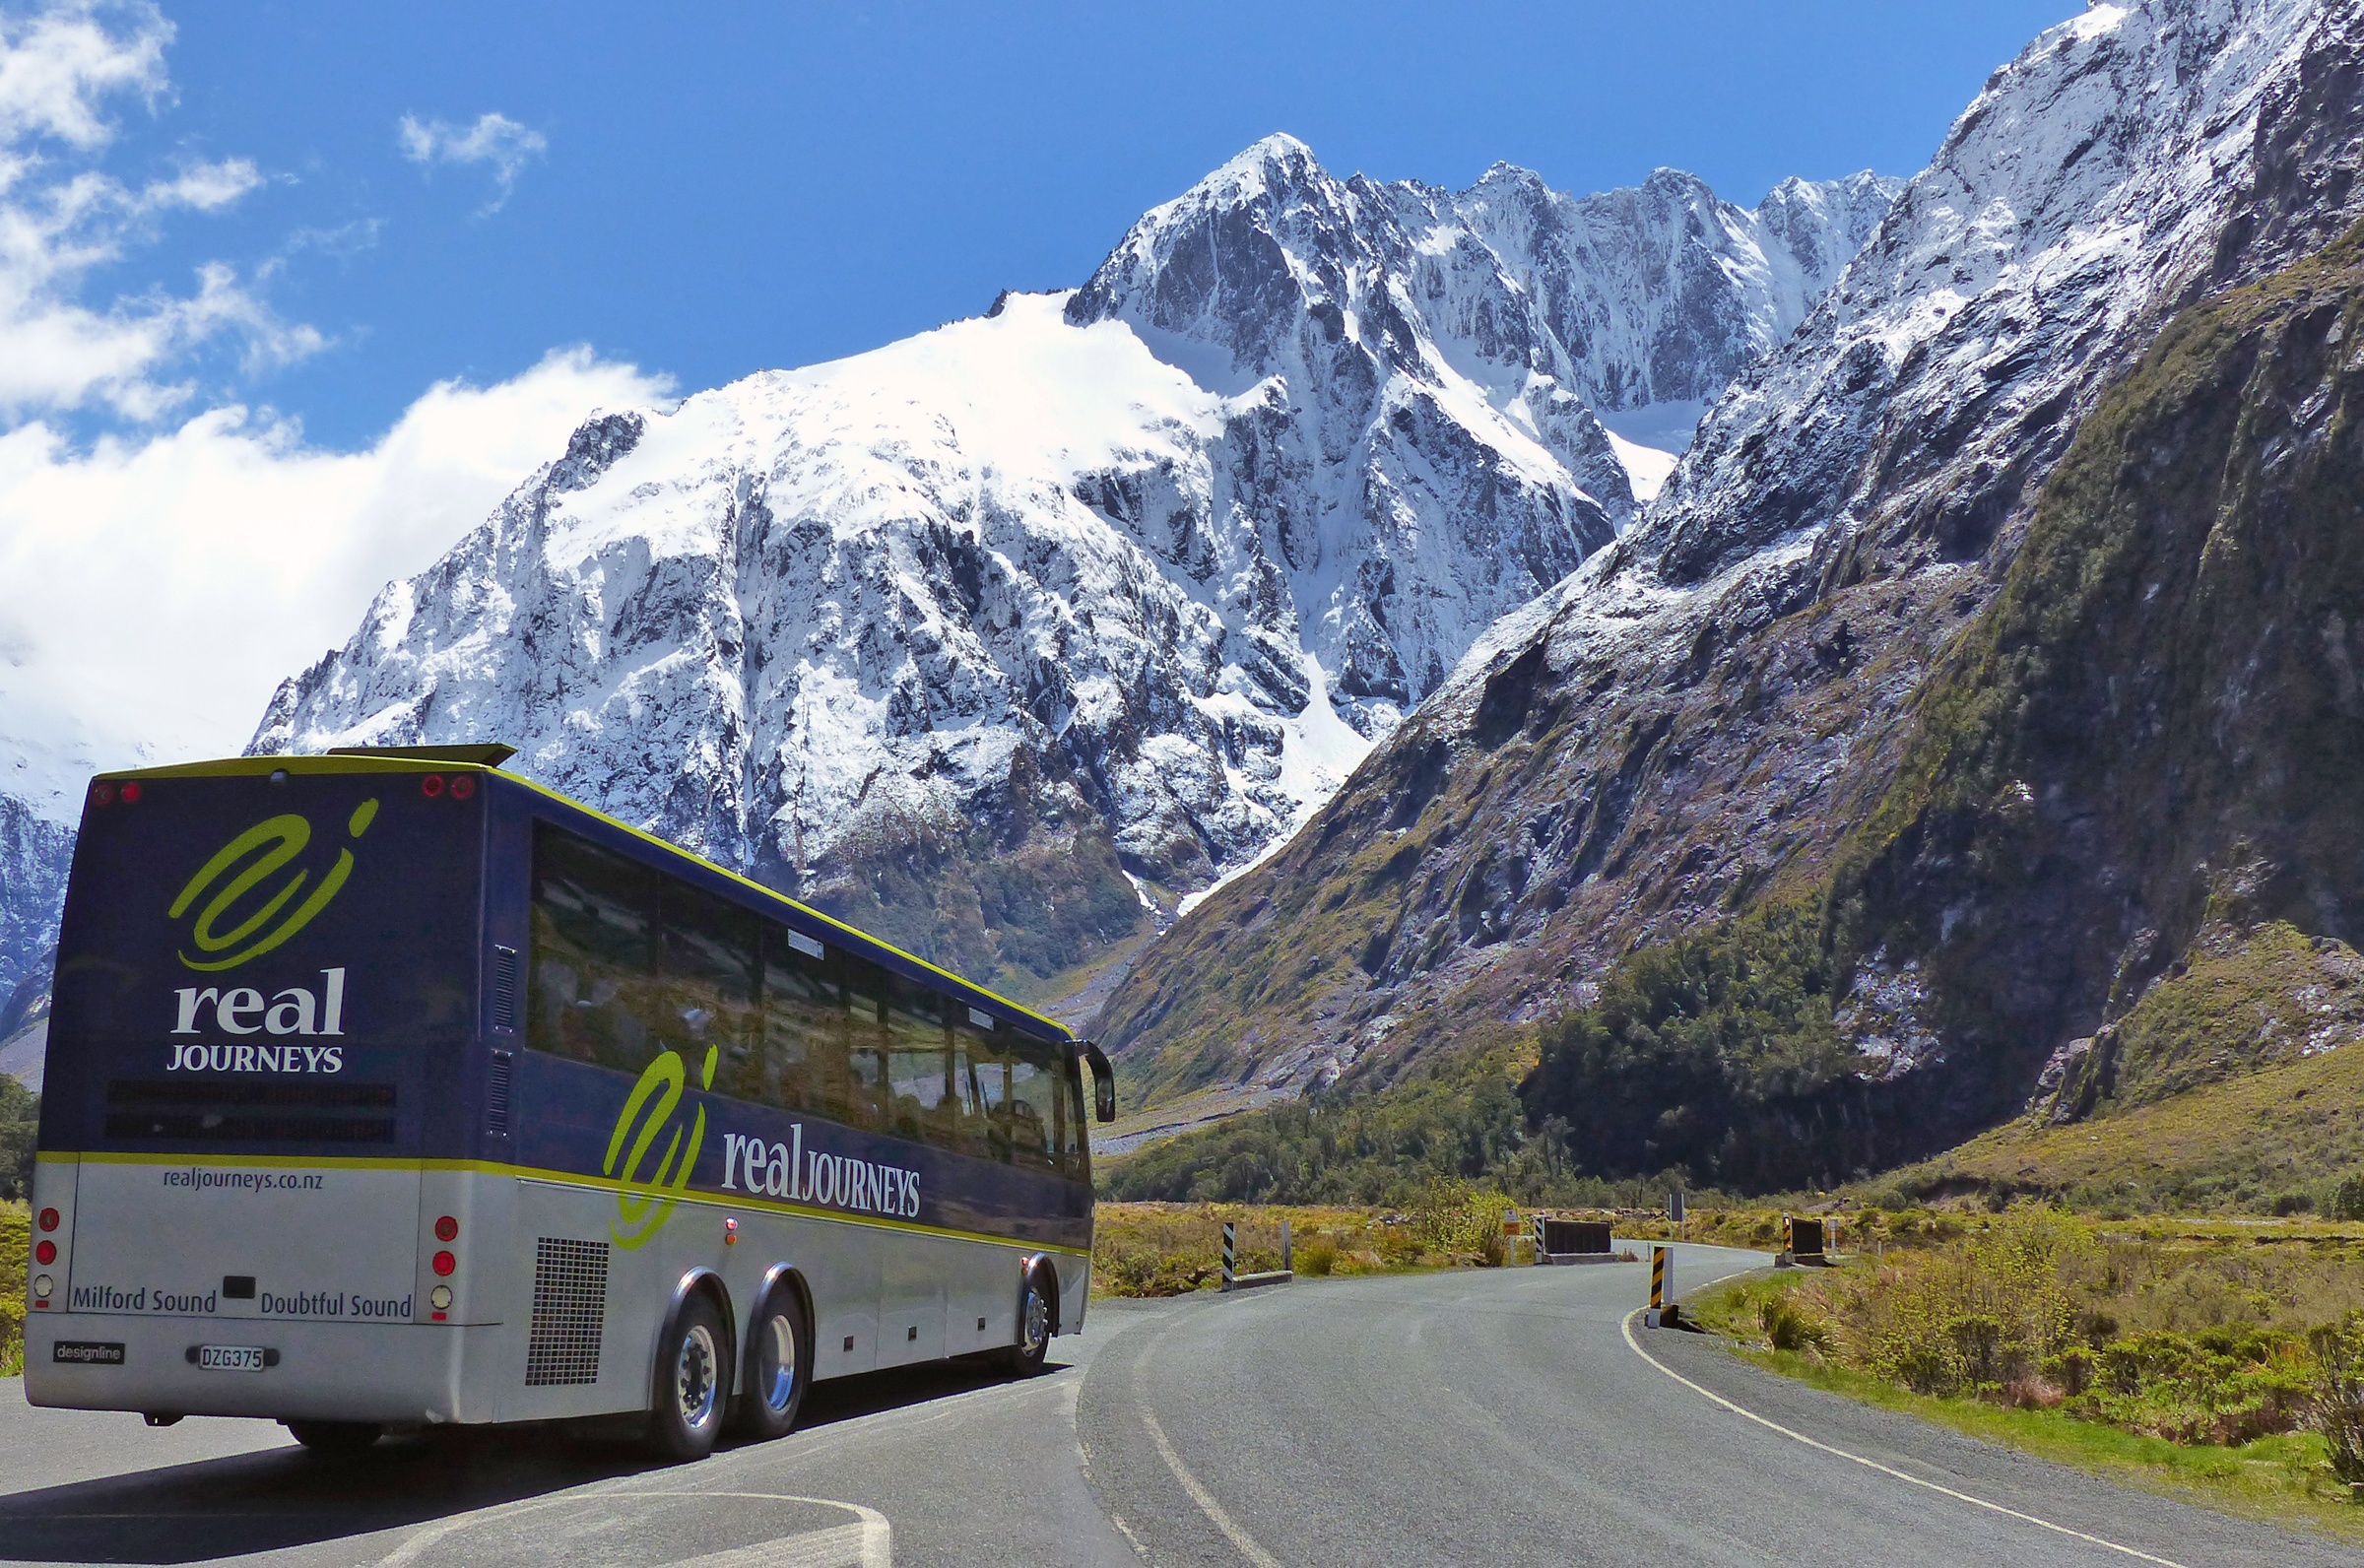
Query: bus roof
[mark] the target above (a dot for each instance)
(468, 758)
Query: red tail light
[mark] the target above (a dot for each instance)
(48, 1219)
(432, 785)
(462, 786)
(446, 1228)
(445, 1263)
(131, 794)
(46, 1252)
(103, 793)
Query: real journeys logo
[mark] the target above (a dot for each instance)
(259, 853)
(644, 1203)
(234, 918)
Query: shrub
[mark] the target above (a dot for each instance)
(2337, 1401)
(2347, 1198)
(1318, 1256)
(16, 1236)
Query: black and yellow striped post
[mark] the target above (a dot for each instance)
(1230, 1253)
(1788, 1256)
(1663, 1311)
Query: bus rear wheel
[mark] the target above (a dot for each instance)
(777, 1364)
(335, 1437)
(1025, 1357)
(693, 1383)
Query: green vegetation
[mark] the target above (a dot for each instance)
(1171, 1249)
(2285, 1139)
(2236, 1002)
(16, 1239)
(1715, 1055)
(2201, 1355)
(20, 1125)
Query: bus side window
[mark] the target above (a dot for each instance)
(706, 954)
(594, 953)
(918, 1069)
(971, 1062)
(1033, 1104)
(806, 1065)
(867, 1039)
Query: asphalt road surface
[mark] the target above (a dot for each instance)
(1498, 1417)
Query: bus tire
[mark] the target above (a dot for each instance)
(335, 1438)
(693, 1383)
(1034, 1312)
(779, 1363)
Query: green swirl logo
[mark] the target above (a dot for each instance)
(644, 1203)
(248, 861)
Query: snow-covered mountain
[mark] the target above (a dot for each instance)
(1697, 715)
(1007, 638)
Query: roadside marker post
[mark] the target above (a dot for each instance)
(1663, 1314)
(1233, 1280)
(1513, 1233)
(1289, 1260)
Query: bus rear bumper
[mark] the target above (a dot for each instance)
(393, 1373)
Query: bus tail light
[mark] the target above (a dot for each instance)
(439, 1298)
(445, 1263)
(130, 793)
(48, 1219)
(43, 1288)
(103, 793)
(462, 786)
(432, 785)
(448, 1228)
(46, 1252)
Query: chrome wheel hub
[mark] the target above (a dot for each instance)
(776, 1371)
(694, 1383)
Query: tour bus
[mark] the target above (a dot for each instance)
(387, 1089)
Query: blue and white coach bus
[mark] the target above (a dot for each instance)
(385, 1090)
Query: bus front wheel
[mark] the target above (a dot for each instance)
(693, 1383)
(778, 1363)
(335, 1437)
(1034, 1328)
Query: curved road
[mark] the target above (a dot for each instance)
(1500, 1416)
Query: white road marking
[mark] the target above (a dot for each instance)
(869, 1542)
(1204, 1498)
(1626, 1327)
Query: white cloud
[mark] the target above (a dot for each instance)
(495, 140)
(59, 68)
(154, 591)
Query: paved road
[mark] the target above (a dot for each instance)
(1484, 1418)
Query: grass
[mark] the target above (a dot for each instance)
(2285, 1131)
(2177, 1360)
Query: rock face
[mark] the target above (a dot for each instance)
(1692, 723)
(1665, 291)
(1004, 639)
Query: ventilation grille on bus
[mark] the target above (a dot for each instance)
(505, 988)
(496, 1094)
(570, 1310)
(250, 1112)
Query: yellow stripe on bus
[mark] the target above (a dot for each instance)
(591, 1184)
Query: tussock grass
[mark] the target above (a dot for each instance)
(2188, 1357)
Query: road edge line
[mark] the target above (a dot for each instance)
(1626, 1328)
(1200, 1495)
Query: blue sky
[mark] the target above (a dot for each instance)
(292, 295)
(725, 188)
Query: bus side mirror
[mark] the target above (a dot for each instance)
(1103, 1082)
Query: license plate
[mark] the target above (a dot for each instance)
(230, 1358)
